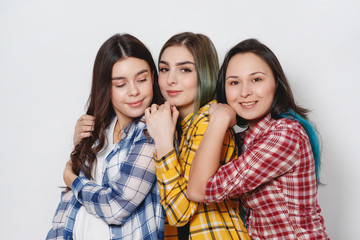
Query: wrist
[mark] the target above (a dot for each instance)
(163, 148)
(221, 122)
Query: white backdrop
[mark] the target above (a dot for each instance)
(47, 49)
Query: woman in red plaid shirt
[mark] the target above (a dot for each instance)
(277, 173)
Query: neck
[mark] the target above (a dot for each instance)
(184, 111)
(119, 128)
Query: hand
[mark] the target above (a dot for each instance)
(83, 128)
(69, 176)
(223, 112)
(161, 124)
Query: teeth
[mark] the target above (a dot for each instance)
(248, 103)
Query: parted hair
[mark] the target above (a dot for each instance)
(206, 63)
(117, 47)
(283, 98)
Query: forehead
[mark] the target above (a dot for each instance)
(129, 66)
(176, 54)
(246, 63)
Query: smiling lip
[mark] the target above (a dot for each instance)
(173, 93)
(248, 105)
(136, 103)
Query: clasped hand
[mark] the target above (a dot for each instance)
(161, 123)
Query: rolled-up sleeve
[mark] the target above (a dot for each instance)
(271, 155)
(126, 190)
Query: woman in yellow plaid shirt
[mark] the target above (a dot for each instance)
(188, 68)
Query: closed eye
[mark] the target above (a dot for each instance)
(120, 85)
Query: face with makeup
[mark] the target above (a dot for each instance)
(249, 87)
(178, 78)
(131, 90)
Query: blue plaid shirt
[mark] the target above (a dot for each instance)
(128, 199)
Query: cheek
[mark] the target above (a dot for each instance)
(162, 81)
(268, 93)
(231, 94)
(189, 83)
(116, 95)
(148, 89)
(192, 81)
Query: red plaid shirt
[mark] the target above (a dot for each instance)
(275, 177)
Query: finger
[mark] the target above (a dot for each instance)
(87, 129)
(147, 112)
(167, 104)
(89, 121)
(154, 108)
(85, 135)
(87, 117)
(175, 113)
(86, 122)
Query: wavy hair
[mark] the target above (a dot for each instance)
(117, 47)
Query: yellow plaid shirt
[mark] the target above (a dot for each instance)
(215, 221)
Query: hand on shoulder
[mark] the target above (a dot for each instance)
(83, 128)
(222, 114)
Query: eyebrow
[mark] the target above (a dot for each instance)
(137, 74)
(251, 74)
(179, 63)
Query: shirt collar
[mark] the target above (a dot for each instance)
(259, 128)
(187, 120)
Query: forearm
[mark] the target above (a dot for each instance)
(206, 160)
(272, 154)
(163, 146)
(113, 204)
(117, 199)
(172, 185)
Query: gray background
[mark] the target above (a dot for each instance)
(47, 49)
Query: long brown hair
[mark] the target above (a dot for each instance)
(115, 48)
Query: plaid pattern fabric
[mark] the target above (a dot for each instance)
(275, 177)
(128, 199)
(215, 221)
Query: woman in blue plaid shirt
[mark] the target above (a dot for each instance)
(112, 191)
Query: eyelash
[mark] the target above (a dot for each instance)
(254, 80)
(163, 69)
(120, 85)
(186, 70)
(123, 84)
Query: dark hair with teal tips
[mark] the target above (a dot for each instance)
(206, 63)
(283, 104)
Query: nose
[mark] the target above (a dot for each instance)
(171, 78)
(133, 90)
(245, 90)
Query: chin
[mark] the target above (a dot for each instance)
(137, 114)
